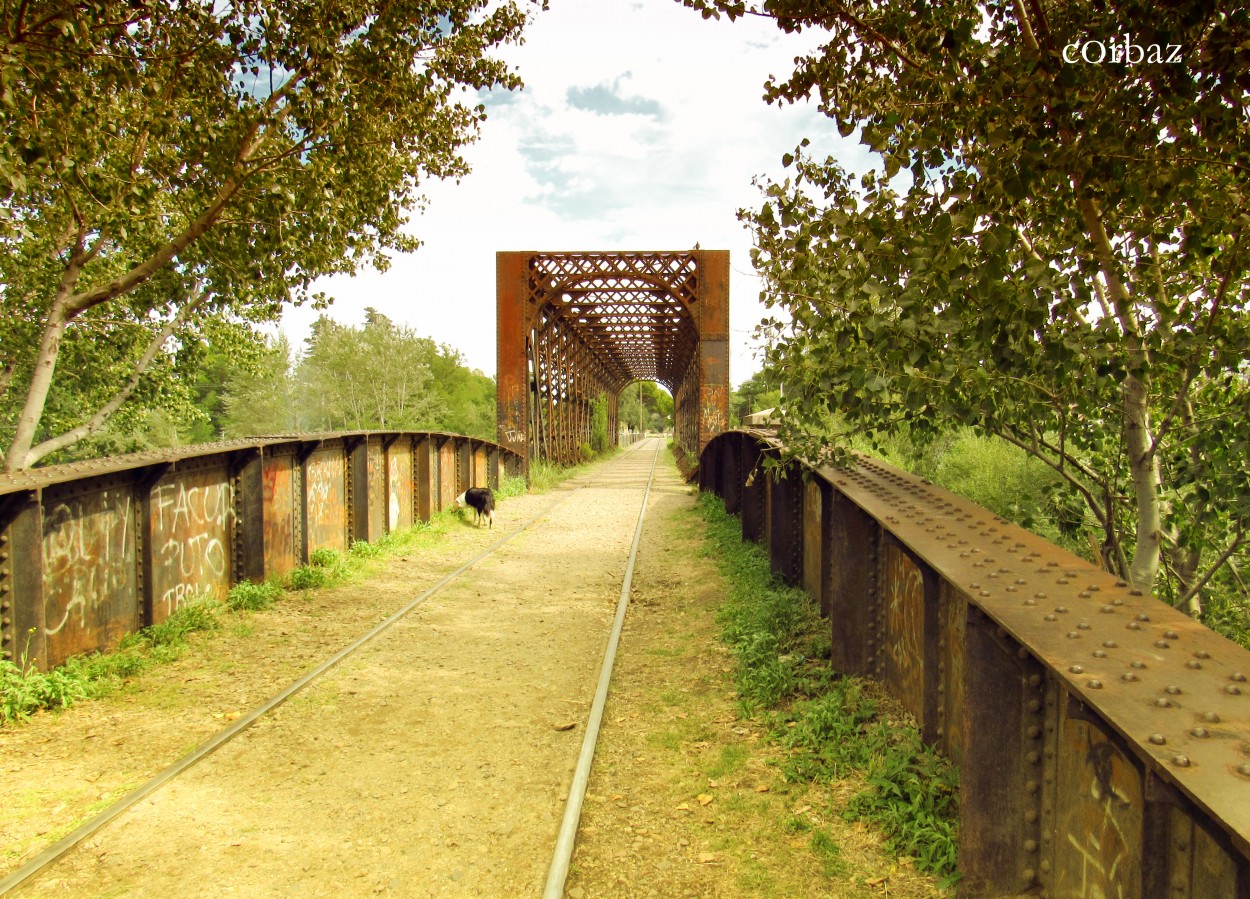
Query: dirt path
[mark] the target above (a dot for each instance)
(434, 763)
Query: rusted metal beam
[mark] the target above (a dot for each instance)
(1103, 737)
(91, 551)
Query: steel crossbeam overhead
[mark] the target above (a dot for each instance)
(574, 327)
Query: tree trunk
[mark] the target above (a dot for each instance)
(18, 456)
(1144, 466)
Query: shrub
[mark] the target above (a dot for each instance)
(307, 577)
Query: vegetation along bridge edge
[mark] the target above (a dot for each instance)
(1102, 736)
(92, 551)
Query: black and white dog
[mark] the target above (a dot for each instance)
(482, 500)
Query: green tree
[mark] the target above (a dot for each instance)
(171, 169)
(656, 406)
(758, 392)
(377, 376)
(599, 440)
(1052, 250)
(467, 395)
(258, 398)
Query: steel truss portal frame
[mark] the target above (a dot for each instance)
(573, 327)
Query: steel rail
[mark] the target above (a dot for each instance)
(559, 870)
(58, 849)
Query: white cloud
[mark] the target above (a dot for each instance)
(640, 128)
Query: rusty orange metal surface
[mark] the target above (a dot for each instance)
(1103, 736)
(278, 492)
(447, 481)
(813, 538)
(573, 327)
(325, 500)
(375, 474)
(399, 481)
(901, 649)
(90, 568)
(191, 522)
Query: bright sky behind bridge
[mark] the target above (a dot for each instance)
(641, 127)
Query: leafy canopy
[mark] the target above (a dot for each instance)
(1053, 251)
(175, 172)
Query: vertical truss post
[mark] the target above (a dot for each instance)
(712, 320)
(512, 376)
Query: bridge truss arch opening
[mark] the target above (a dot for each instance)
(575, 329)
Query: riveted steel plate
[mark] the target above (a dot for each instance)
(813, 543)
(902, 653)
(1173, 690)
(278, 497)
(191, 517)
(1099, 813)
(399, 479)
(90, 570)
(325, 498)
(375, 476)
(447, 491)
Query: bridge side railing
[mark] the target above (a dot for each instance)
(1103, 737)
(94, 550)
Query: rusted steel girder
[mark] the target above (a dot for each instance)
(576, 326)
(1103, 737)
(94, 550)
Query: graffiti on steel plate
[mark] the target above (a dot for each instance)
(89, 572)
(192, 519)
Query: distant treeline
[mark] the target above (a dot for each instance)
(381, 375)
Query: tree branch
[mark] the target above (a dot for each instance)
(1228, 553)
(106, 411)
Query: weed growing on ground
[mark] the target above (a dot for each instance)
(830, 725)
(250, 597)
(25, 690)
(510, 486)
(325, 566)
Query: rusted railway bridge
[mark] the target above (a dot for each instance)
(576, 328)
(1103, 737)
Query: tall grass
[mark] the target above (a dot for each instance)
(830, 726)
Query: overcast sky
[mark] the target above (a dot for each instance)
(640, 127)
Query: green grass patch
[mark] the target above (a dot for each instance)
(24, 690)
(825, 848)
(830, 726)
(510, 486)
(733, 758)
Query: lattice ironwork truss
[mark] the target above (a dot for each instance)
(574, 327)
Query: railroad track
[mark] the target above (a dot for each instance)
(158, 789)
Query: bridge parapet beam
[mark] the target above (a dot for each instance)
(94, 550)
(1103, 737)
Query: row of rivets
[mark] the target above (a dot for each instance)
(8, 636)
(1140, 622)
(1033, 721)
